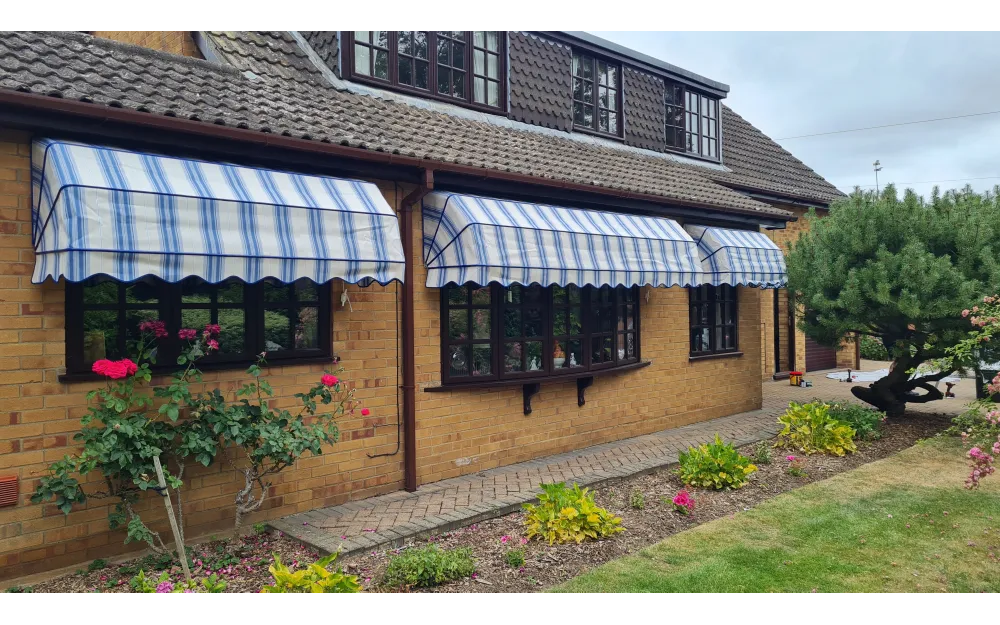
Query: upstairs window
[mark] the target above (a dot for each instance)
(596, 94)
(464, 67)
(692, 122)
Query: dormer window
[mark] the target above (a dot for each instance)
(596, 95)
(692, 122)
(464, 67)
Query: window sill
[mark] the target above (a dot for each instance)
(531, 386)
(164, 372)
(714, 356)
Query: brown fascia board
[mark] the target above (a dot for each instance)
(104, 113)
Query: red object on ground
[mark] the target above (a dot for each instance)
(8, 490)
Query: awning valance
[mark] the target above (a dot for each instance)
(99, 210)
(477, 239)
(739, 257)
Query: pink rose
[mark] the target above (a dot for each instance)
(329, 380)
(187, 334)
(213, 329)
(965, 313)
(365, 412)
(130, 367)
(213, 344)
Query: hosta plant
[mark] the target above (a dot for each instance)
(716, 465)
(810, 429)
(315, 577)
(565, 514)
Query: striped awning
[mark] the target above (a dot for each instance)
(99, 210)
(739, 257)
(482, 240)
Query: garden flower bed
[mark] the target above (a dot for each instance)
(544, 565)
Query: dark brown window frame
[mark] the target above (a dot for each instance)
(619, 303)
(392, 82)
(169, 307)
(595, 62)
(714, 297)
(691, 121)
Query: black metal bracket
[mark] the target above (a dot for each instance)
(582, 384)
(529, 391)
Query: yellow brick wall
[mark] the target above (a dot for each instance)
(174, 42)
(458, 432)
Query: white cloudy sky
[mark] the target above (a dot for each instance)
(790, 84)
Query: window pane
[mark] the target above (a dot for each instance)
(578, 116)
(442, 45)
(133, 338)
(421, 78)
(404, 41)
(275, 292)
(479, 62)
(231, 293)
(195, 291)
(630, 318)
(513, 294)
(307, 328)
(420, 44)
(577, 65)
(277, 330)
(512, 357)
(306, 290)
(444, 81)
(458, 84)
(100, 334)
(482, 360)
(382, 64)
(102, 293)
(612, 80)
(533, 294)
(380, 38)
(458, 324)
(620, 346)
(630, 345)
(492, 41)
(458, 295)
(587, 67)
(232, 337)
(362, 60)
(458, 358)
(405, 71)
(195, 318)
(558, 295)
(458, 55)
(575, 320)
(141, 293)
(533, 351)
(481, 323)
(492, 66)
(560, 326)
(362, 35)
(533, 322)
(588, 91)
(559, 357)
(479, 90)
(492, 94)
(574, 294)
(603, 121)
(574, 353)
(512, 322)
(479, 38)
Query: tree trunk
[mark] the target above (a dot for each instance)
(891, 393)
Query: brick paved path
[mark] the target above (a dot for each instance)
(390, 519)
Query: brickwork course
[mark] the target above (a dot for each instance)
(389, 520)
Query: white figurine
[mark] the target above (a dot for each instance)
(572, 360)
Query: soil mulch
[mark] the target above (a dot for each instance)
(246, 569)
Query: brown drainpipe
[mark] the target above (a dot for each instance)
(409, 366)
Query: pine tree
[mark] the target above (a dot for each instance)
(900, 271)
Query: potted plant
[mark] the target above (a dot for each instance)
(558, 355)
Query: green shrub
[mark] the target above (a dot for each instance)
(762, 453)
(428, 566)
(637, 499)
(20, 589)
(716, 465)
(873, 349)
(259, 528)
(97, 565)
(515, 558)
(316, 577)
(564, 514)
(867, 422)
(810, 429)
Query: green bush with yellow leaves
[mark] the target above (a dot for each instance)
(811, 429)
(565, 514)
(716, 465)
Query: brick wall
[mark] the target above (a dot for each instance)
(457, 432)
(172, 41)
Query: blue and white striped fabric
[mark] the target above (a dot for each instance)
(99, 210)
(476, 239)
(737, 257)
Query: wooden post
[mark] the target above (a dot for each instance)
(178, 541)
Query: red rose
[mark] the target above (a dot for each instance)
(187, 334)
(329, 380)
(101, 366)
(116, 370)
(130, 367)
(365, 412)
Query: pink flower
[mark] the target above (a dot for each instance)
(213, 329)
(101, 366)
(683, 502)
(213, 344)
(329, 380)
(965, 313)
(504, 539)
(187, 334)
(164, 587)
(790, 458)
(365, 412)
(130, 367)
(524, 541)
(115, 369)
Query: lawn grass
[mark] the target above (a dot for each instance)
(845, 534)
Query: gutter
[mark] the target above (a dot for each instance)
(108, 114)
(409, 350)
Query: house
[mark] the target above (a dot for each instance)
(516, 244)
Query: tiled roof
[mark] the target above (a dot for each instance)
(324, 42)
(79, 67)
(760, 164)
(644, 110)
(274, 54)
(540, 88)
